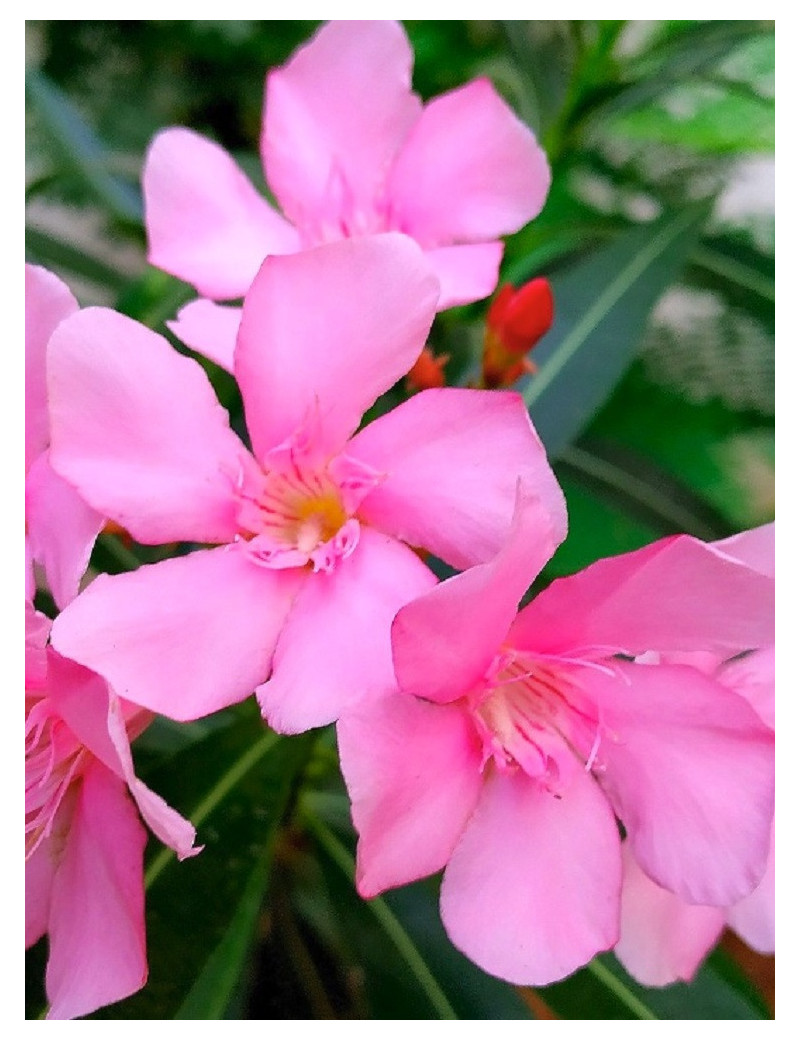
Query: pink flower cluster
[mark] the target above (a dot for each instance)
(584, 770)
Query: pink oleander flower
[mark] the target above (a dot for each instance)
(514, 743)
(314, 531)
(664, 939)
(347, 150)
(60, 528)
(84, 841)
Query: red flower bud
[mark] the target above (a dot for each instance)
(427, 372)
(516, 321)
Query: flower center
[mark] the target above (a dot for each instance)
(53, 759)
(299, 510)
(531, 712)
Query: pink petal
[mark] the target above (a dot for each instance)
(136, 427)
(39, 873)
(210, 329)
(531, 892)
(62, 529)
(97, 941)
(81, 698)
(334, 117)
(753, 919)
(47, 302)
(663, 940)
(334, 649)
(470, 170)
(444, 642)
(37, 632)
(755, 547)
(326, 332)
(167, 824)
(690, 771)
(413, 773)
(452, 459)
(205, 221)
(184, 637)
(753, 677)
(466, 273)
(677, 594)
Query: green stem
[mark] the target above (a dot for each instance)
(342, 858)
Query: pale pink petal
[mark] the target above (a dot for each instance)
(662, 939)
(755, 547)
(753, 919)
(62, 529)
(96, 932)
(413, 773)
(184, 637)
(531, 892)
(690, 771)
(210, 329)
(466, 273)
(452, 459)
(96, 716)
(37, 632)
(676, 594)
(444, 642)
(167, 824)
(47, 302)
(81, 698)
(335, 648)
(470, 170)
(136, 427)
(326, 332)
(40, 870)
(334, 116)
(753, 677)
(206, 223)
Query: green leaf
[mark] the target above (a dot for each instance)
(604, 990)
(235, 786)
(727, 459)
(641, 489)
(685, 52)
(81, 149)
(602, 305)
(410, 967)
(385, 949)
(44, 248)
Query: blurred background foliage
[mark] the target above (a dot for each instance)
(654, 394)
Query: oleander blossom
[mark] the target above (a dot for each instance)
(514, 743)
(314, 531)
(84, 840)
(664, 939)
(347, 150)
(60, 528)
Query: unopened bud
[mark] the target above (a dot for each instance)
(516, 321)
(428, 371)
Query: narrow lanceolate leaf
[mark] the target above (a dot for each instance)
(602, 305)
(202, 913)
(397, 942)
(80, 147)
(46, 249)
(604, 990)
